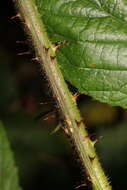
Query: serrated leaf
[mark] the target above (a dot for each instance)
(95, 59)
(8, 171)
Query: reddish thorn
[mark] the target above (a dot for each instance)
(76, 95)
(56, 45)
(16, 16)
(79, 122)
(25, 53)
(43, 103)
(49, 116)
(82, 185)
(46, 49)
(52, 57)
(95, 141)
(88, 136)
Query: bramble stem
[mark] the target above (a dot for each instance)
(74, 126)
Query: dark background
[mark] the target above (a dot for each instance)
(46, 160)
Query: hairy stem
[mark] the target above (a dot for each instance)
(74, 126)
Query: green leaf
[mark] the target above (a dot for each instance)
(95, 58)
(8, 171)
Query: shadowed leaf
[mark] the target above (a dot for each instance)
(8, 171)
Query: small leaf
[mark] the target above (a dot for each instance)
(8, 171)
(95, 58)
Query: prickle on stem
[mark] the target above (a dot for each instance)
(79, 122)
(43, 103)
(53, 58)
(46, 50)
(56, 45)
(49, 116)
(25, 53)
(75, 96)
(94, 142)
(81, 185)
(16, 16)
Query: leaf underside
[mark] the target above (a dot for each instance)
(8, 171)
(95, 58)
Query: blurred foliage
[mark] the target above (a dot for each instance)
(9, 177)
(45, 160)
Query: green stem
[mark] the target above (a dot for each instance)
(74, 126)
